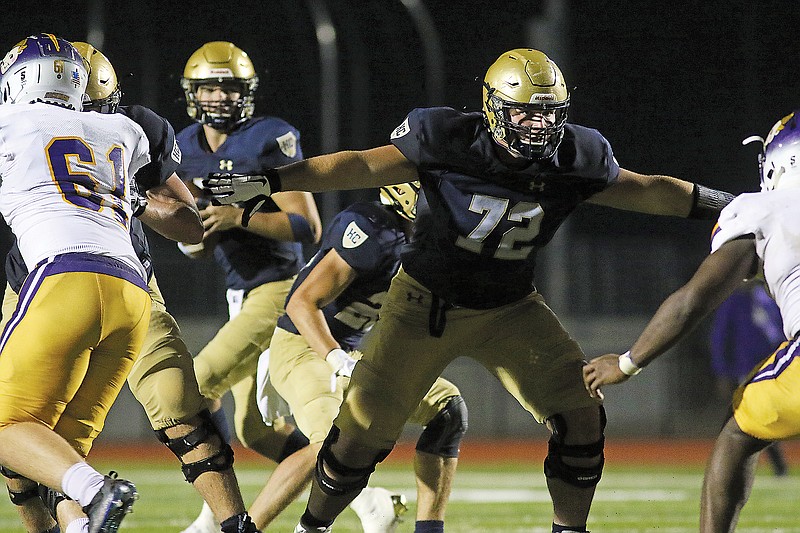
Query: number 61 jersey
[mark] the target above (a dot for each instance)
(476, 244)
(65, 181)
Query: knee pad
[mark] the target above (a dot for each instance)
(10, 474)
(337, 487)
(20, 497)
(220, 461)
(296, 441)
(442, 436)
(578, 476)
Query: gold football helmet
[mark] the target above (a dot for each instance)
(527, 82)
(220, 63)
(402, 198)
(103, 87)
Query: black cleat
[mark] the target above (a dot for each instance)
(111, 504)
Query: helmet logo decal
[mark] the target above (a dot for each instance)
(401, 130)
(288, 144)
(11, 57)
(353, 236)
(541, 97)
(221, 72)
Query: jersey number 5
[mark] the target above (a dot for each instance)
(494, 210)
(81, 187)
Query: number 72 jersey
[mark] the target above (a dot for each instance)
(66, 180)
(475, 244)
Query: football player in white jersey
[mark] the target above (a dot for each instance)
(758, 234)
(84, 307)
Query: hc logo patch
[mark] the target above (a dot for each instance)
(353, 236)
(226, 164)
(401, 130)
(288, 144)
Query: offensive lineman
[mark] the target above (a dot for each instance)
(499, 184)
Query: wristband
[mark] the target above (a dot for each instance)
(627, 366)
(273, 179)
(707, 202)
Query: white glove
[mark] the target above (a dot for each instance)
(250, 190)
(341, 362)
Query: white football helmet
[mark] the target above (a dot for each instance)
(44, 68)
(779, 160)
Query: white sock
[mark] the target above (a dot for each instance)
(81, 482)
(79, 525)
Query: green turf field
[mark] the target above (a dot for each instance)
(508, 498)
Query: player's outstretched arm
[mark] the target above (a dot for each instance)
(171, 211)
(364, 169)
(717, 277)
(662, 195)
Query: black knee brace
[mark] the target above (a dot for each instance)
(442, 436)
(296, 441)
(578, 476)
(335, 487)
(222, 460)
(10, 474)
(18, 497)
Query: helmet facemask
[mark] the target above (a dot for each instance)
(223, 114)
(536, 141)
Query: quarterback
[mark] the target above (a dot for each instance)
(259, 254)
(498, 183)
(758, 234)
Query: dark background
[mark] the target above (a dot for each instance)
(675, 87)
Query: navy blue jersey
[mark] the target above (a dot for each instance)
(369, 237)
(475, 245)
(248, 260)
(164, 158)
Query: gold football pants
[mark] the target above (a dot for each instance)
(67, 350)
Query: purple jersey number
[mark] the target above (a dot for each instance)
(79, 187)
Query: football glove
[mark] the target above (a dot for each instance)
(248, 190)
(341, 362)
(138, 199)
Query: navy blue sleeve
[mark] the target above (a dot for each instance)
(165, 155)
(356, 239)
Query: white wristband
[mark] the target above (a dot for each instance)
(627, 366)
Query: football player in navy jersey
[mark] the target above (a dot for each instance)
(162, 378)
(498, 184)
(333, 303)
(259, 254)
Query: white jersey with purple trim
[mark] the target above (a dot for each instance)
(774, 219)
(66, 180)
